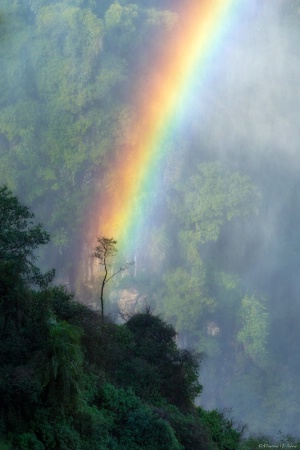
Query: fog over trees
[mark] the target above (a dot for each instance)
(218, 257)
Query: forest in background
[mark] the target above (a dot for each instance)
(219, 255)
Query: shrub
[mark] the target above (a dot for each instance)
(221, 428)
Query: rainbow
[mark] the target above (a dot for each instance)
(205, 29)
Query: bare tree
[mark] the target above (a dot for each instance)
(105, 250)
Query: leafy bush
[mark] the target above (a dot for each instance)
(133, 424)
(172, 373)
(221, 429)
(189, 429)
(56, 430)
(27, 441)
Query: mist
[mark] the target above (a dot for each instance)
(252, 125)
(219, 253)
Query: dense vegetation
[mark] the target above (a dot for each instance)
(71, 380)
(219, 256)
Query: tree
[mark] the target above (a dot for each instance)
(62, 364)
(222, 428)
(105, 250)
(19, 238)
(255, 324)
(134, 424)
(212, 196)
(159, 365)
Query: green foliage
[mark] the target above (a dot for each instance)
(58, 356)
(118, 16)
(191, 432)
(194, 293)
(169, 373)
(210, 197)
(61, 366)
(55, 130)
(27, 441)
(254, 331)
(19, 238)
(186, 299)
(135, 425)
(52, 388)
(5, 445)
(55, 430)
(221, 428)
